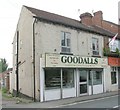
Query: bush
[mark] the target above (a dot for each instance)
(106, 51)
(117, 51)
(4, 90)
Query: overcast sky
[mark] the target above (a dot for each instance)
(10, 11)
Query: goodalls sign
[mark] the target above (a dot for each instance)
(56, 60)
(79, 60)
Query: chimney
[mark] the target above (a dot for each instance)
(97, 18)
(86, 18)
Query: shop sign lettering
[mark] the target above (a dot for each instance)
(79, 60)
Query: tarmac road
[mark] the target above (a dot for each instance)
(106, 102)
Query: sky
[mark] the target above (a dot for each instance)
(10, 11)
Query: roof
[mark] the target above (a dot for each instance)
(103, 30)
(55, 18)
(111, 22)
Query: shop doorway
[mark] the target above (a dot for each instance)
(83, 82)
(90, 81)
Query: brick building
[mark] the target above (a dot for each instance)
(5, 79)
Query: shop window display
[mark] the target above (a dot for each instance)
(68, 78)
(53, 78)
(95, 77)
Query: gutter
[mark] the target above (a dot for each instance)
(34, 60)
(17, 64)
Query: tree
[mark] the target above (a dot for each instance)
(3, 65)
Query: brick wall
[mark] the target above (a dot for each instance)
(110, 26)
(97, 19)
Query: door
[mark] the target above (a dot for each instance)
(95, 82)
(83, 82)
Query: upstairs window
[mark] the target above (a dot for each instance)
(95, 46)
(65, 42)
(116, 44)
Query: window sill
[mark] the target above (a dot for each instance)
(63, 53)
(96, 56)
(114, 84)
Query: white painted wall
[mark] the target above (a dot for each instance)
(48, 38)
(69, 92)
(25, 53)
(107, 81)
(97, 89)
(52, 94)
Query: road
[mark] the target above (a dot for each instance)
(106, 102)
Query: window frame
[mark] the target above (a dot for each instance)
(115, 45)
(96, 46)
(50, 81)
(114, 70)
(70, 81)
(66, 36)
(56, 80)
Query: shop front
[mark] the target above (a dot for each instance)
(66, 76)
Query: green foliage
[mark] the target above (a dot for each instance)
(4, 90)
(106, 51)
(117, 52)
(3, 65)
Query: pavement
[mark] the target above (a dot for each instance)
(23, 103)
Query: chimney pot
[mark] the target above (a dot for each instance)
(86, 18)
(97, 18)
(85, 15)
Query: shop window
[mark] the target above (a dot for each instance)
(113, 75)
(83, 76)
(52, 79)
(68, 78)
(97, 78)
(65, 42)
(95, 46)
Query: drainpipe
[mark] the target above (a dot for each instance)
(34, 59)
(17, 75)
